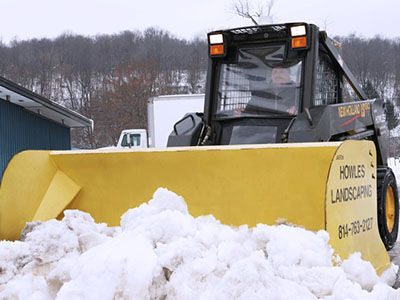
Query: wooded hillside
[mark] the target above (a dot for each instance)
(110, 77)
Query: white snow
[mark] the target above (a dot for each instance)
(161, 252)
(395, 165)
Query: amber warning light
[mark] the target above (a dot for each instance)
(217, 49)
(216, 44)
(299, 42)
(299, 36)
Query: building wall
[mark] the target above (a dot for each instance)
(21, 130)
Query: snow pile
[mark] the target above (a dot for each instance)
(395, 165)
(162, 252)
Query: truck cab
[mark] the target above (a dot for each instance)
(133, 138)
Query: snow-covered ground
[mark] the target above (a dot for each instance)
(395, 165)
(161, 252)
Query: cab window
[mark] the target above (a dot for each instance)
(327, 83)
(135, 140)
(262, 82)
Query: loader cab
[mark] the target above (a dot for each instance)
(259, 80)
(272, 84)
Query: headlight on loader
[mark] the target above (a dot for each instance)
(216, 39)
(298, 30)
(299, 36)
(216, 44)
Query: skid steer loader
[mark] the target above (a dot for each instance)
(286, 134)
(315, 99)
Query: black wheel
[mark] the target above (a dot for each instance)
(388, 207)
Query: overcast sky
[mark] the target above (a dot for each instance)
(25, 19)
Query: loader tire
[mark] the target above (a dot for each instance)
(388, 206)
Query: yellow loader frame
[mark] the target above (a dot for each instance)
(330, 186)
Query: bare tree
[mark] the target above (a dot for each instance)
(245, 9)
(107, 78)
(196, 65)
(326, 23)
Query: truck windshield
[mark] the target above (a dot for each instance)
(261, 82)
(134, 140)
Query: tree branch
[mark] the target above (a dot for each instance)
(243, 9)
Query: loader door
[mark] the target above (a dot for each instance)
(258, 92)
(259, 82)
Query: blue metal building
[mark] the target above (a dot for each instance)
(30, 121)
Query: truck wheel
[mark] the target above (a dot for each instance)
(388, 207)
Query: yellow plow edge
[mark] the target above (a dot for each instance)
(329, 186)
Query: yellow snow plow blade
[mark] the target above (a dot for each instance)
(329, 186)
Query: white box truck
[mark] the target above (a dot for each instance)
(162, 113)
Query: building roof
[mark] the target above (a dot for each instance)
(16, 94)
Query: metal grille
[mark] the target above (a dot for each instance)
(258, 29)
(349, 95)
(247, 30)
(326, 84)
(234, 89)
